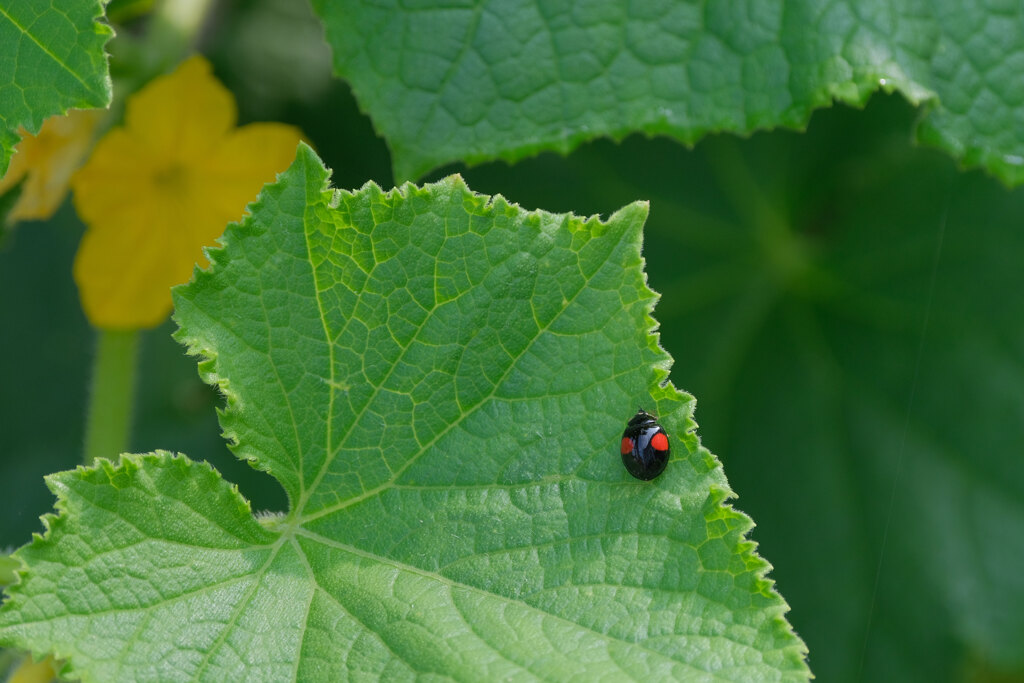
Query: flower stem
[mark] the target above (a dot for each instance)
(112, 394)
(173, 32)
(182, 17)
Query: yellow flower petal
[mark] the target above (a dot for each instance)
(183, 114)
(158, 190)
(46, 161)
(33, 672)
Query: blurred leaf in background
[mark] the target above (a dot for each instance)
(272, 76)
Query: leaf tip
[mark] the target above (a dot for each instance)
(634, 212)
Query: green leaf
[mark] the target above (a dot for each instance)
(845, 305)
(51, 60)
(439, 380)
(475, 81)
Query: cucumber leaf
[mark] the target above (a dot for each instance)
(51, 60)
(474, 81)
(439, 380)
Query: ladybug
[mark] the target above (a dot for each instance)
(645, 448)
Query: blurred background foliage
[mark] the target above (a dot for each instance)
(845, 306)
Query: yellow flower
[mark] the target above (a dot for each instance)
(163, 186)
(46, 161)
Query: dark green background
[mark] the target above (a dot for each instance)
(847, 308)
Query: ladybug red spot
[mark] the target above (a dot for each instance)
(659, 442)
(627, 445)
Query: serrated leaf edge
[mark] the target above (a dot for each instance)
(127, 463)
(9, 137)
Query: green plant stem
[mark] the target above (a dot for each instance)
(111, 397)
(174, 28)
(171, 35)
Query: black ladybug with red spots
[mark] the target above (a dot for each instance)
(645, 448)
